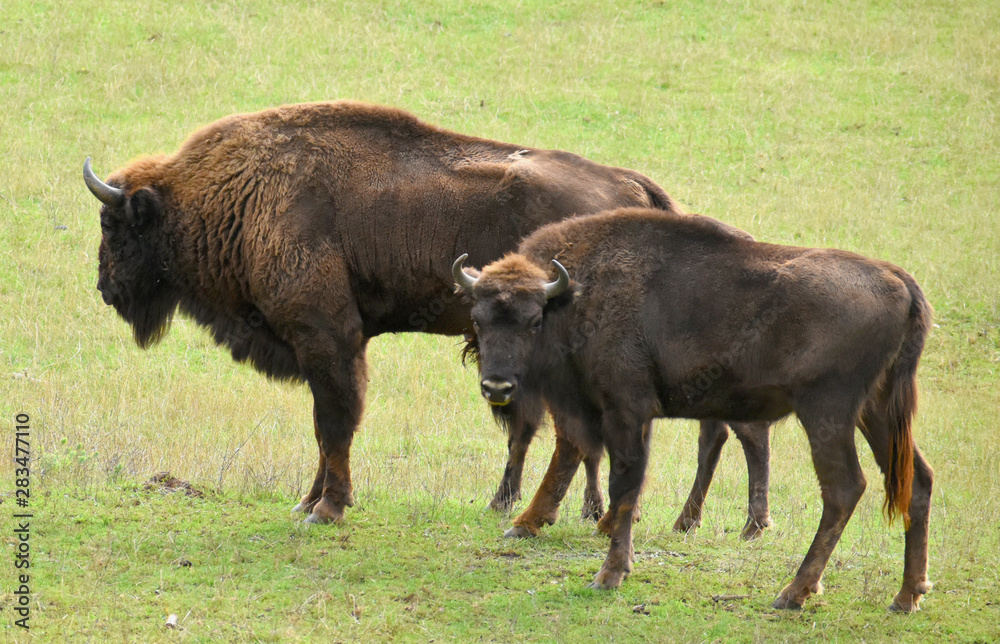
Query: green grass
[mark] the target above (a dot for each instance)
(869, 127)
(448, 576)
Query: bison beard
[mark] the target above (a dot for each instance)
(506, 416)
(131, 275)
(150, 323)
(297, 233)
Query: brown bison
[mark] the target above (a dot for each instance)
(296, 234)
(660, 299)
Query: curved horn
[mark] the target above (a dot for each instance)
(106, 194)
(555, 288)
(463, 279)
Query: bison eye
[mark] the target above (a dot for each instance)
(536, 325)
(475, 326)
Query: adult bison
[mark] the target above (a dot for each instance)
(296, 234)
(661, 299)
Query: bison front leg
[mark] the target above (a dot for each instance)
(756, 441)
(522, 430)
(629, 452)
(316, 490)
(338, 398)
(544, 508)
(509, 491)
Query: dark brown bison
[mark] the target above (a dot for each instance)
(662, 298)
(296, 234)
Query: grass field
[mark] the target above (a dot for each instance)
(866, 126)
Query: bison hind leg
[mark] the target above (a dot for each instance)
(713, 434)
(876, 425)
(830, 430)
(756, 441)
(593, 499)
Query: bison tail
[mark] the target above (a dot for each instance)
(899, 395)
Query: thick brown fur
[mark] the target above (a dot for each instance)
(675, 315)
(297, 233)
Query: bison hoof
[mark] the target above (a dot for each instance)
(306, 505)
(897, 607)
(592, 512)
(909, 602)
(786, 603)
(593, 505)
(325, 512)
(686, 524)
(606, 580)
(502, 505)
(754, 529)
(518, 532)
(315, 518)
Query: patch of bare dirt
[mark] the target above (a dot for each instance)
(164, 483)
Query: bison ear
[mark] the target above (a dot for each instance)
(564, 299)
(143, 210)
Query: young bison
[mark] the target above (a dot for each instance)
(662, 299)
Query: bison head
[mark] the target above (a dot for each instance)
(511, 298)
(130, 273)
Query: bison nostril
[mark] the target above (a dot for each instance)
(497, 392)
